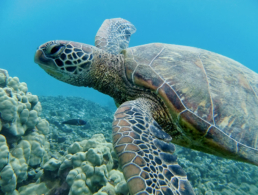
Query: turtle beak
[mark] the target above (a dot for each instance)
(37, 56)
(42, 60)
(47, 64)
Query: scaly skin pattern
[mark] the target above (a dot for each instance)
(144, 152)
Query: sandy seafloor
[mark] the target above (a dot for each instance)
(208, 174)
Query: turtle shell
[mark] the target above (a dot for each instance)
(211, 98)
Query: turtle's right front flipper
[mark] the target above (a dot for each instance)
(145, 154)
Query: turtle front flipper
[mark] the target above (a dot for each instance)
(114, 35)
(145, 154)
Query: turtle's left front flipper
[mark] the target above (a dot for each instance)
(114, 35)
(145, 154)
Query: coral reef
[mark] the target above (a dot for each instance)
(22, 141)
(92, 162)
(29, 164)
(59, 109)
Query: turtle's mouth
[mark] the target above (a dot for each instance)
(46, 63)
(41, 59)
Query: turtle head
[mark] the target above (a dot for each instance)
(67, 61)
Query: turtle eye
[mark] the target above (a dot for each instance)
(55, 50)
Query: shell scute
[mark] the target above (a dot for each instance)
(220, 142)
(171, 99)
(131, 65)
(234, 98)
(193, 125)
(145, 77)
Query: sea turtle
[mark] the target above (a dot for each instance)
(203, 100)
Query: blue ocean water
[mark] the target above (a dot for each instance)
(226, 27)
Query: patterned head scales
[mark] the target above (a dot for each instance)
(65, 60)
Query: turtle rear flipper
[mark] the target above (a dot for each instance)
(114, 35)
(146, 158)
